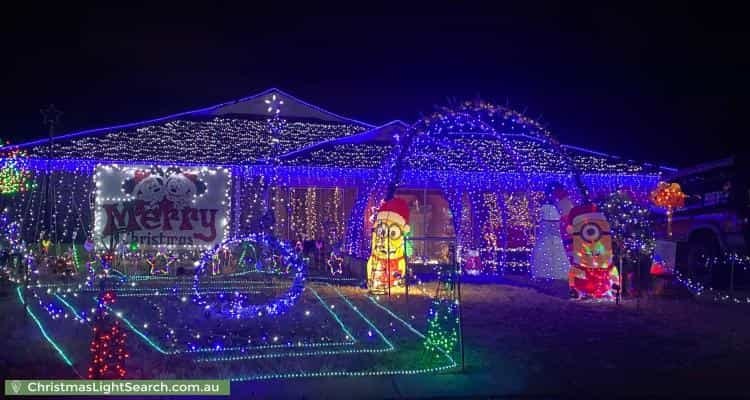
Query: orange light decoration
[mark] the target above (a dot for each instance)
(669, 196)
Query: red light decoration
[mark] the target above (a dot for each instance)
(108, 343)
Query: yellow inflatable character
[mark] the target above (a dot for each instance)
(387, 252)
(592, 273)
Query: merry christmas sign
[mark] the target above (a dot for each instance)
(161, 206)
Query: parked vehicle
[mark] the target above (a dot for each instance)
(714, 221)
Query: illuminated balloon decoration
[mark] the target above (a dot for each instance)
(386, 266)
(592, 274)
(669, 196)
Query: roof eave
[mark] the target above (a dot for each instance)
(200, 111)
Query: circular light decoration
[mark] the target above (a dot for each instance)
(236, 302)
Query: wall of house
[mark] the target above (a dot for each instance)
(495, 216)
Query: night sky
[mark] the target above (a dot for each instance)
(662, 85)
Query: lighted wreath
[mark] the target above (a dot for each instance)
(237, 304)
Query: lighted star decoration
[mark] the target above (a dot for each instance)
(274, 104)
(160, 263)
(51, 115)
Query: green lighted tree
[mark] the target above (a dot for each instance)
(442, 318)
(442, 326)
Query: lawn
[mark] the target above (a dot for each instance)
(521, 338)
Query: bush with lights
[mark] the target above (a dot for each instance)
(632, 226)
(15, 176)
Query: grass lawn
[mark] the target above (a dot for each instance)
(521, 338)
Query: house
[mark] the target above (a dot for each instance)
(474, 173)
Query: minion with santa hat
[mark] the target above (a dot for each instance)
(387, 265)
(592, 274)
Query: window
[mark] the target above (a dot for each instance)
(430, 216)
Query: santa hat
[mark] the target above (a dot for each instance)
(559, 197)
(140, 175)
(394, 210)
(584, 212)
(191, 177)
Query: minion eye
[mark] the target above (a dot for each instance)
(394, 232)
(591, 232)
(381, 231)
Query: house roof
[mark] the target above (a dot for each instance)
(261, 104)
(237, 132)
(468, 152)
(251, 107)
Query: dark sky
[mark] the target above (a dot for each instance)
(665, 85)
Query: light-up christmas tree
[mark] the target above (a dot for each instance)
(631, 224)
(108, 343)
(632, 233)
(443, 316)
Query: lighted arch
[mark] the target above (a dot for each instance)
(439, 129)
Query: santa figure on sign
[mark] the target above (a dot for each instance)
(592, 274)
(386, 265)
